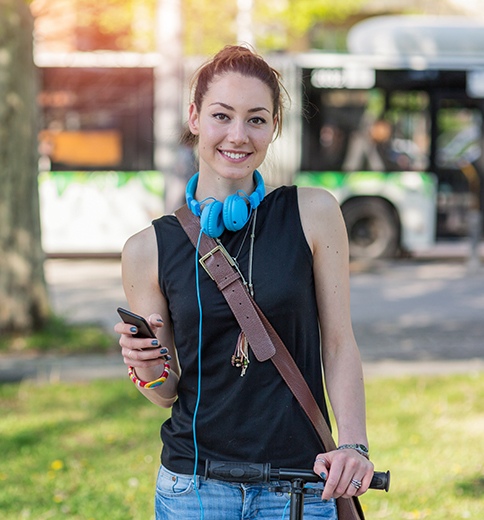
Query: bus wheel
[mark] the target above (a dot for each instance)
(373, 228)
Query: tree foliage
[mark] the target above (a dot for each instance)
(207, 24)
(280, 25)
(117, 24)
(300, 15)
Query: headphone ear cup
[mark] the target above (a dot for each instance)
(211, 219)
(235, 212)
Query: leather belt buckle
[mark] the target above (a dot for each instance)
(215, 250)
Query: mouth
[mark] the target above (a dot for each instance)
(234, 156)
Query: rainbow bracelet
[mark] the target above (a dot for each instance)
(149, 384)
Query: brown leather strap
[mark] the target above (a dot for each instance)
(261, 335)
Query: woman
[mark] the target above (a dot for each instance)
(291, 248)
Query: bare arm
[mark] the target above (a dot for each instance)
(326, 234)
(140, 282)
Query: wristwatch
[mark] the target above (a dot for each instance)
(360, 448)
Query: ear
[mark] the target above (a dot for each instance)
(193, 120)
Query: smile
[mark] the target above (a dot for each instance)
(234, 155)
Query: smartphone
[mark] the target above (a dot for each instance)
(144, 330)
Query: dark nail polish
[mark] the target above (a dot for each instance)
(325, 500)
(163, 350)
(133, 329)
(323, 475)
(154, 342)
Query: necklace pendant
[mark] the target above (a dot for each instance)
(240, 357)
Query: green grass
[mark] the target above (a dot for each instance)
(90, 451)
(80, 451)
(429, 431)
(61, 337)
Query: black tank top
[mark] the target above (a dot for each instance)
(254, 418)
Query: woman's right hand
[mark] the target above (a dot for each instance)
(141, 352)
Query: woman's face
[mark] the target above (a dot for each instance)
(235, 126)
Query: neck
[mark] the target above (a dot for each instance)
(220, 188)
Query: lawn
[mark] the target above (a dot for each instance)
(90, 451)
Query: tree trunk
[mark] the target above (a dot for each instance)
(23, 294)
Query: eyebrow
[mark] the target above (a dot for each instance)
(228, 107)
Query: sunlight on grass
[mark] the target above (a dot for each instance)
(91, 451)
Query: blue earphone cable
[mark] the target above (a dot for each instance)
(199, 383)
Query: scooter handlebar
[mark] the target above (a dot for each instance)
(246, 472)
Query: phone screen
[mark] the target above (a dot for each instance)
(144, 330)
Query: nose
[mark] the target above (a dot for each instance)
(238, 132)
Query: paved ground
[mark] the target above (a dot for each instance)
(419, 316)
(423, 315)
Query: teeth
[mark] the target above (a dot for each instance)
(232, 155)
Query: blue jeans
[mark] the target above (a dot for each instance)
(177, 498)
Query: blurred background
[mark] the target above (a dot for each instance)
(386, 111)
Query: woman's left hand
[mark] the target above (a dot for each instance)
(347, 473)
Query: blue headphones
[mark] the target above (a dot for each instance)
(232, 214)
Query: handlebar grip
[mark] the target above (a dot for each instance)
(237, 471)
(380, 480)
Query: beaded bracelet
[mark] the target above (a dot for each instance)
(149, 384)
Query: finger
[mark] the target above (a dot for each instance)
(354, 486)
(155, 320)
(333, 482)
(145, 364)
(164, 354)
(360, 481)
(320, 466)
(366, 480)
(146, 354)
(125, 328)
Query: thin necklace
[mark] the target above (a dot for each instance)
(235, 258)
(251, 254)
(245, 235)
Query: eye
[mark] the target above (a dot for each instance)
(258, 120)
(220, 116)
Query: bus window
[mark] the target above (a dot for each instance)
(458, 158)
(96, 119)
(354, 130)
(409, 144)
(460, 137)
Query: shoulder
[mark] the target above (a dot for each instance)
(321, 217)
(140, 248)
(317, 201)
(318, 206)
